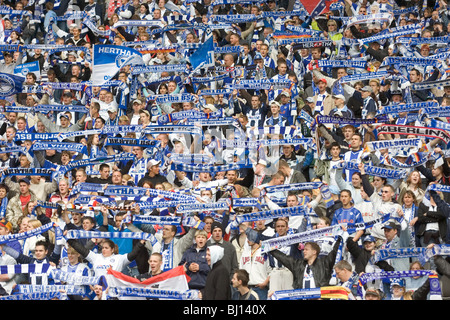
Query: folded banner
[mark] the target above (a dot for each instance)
(357, 121)
(208, 168)
(411, 61)
(127, 190)
(385, 254)
(67, 135)
(68, 289)
(413, 130)
(279, 242)
(363, 76)
(366, 277)
(375, 171)
(272, 214)
(44, 108)
(73, 278)
(137, 70)
(342, 63)
(407, 107)
(190, 114)
(150, 205)
(145, 143)
(167, 285)
(76, 147)
(27, 234)
(171, 98)
(194, 207)
(160, 220)
(26, 172)
(190, 129)
(25, 268)
(36, 296)
(295, 186)
(377, 17)
(13, 149)
(260, 84)
(332, 292)
(392, 144)
(439, 249)
(430, 84)
(300, 44)
(82, 234)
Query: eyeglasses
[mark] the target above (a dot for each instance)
(384, 191)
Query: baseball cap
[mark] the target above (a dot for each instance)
(263, 162)
(368, 238)
(339, 96)
(63, 115)
(367, 89)
(391, 225)
(323, 80)
(210, 107)
(26, 180)
(153, 162)
(112, 108)
(257, 56)
(275, 103)
(373, 292)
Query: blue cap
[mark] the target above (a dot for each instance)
(257, 56)
(26, 180)
(368, 238)
(397, 282)
(334, 189)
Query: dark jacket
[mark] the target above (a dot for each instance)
(322, 267)
(191, 255)
(217, 285)
(361, 257)
(431, 217)
(444, 207)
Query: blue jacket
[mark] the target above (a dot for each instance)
(198, 279)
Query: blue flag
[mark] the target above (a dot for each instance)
(203, 57)
(109, 59)
(25, 68)
(10, 84)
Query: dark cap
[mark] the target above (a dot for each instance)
(373, 292)
(215, 225)
(391, 225)
(26, 180)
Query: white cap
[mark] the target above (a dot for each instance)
(153, 162)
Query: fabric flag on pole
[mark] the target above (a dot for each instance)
(109, 59)
(175, 279)
(316, 7)
(203, 57)
(10, 84)
(25, 68)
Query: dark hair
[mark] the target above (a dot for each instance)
(242, 275)
(347, 191)
(314, 246)
(43, 243)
